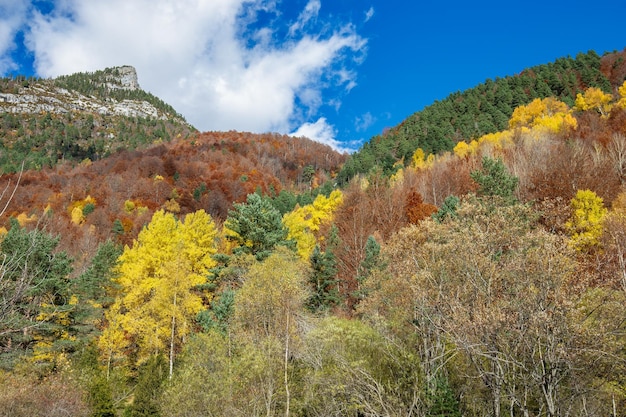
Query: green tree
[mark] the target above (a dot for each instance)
(447, 209)
(93, 287)
(323, 280)
(494, 180)
(256, 227)
(370, 261)
(34, 286)
(149, 387)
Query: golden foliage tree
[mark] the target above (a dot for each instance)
(304, 222)
(157, 276)
(543, 114)
(594, 99)
(585, 225)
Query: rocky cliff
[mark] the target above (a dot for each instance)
(52, 95)
(81, 116)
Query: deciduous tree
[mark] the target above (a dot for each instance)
(157, 304)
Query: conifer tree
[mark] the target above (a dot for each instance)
(256, 227)
(148, 389)
(494, 180)
(34, 288)
(323, 280)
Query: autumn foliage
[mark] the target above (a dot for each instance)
(482, 278)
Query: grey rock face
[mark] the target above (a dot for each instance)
(45, 97)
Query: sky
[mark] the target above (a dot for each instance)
(336, 71)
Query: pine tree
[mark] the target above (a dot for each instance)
(148, 389)
(256, 227)
(494, 180)
(371, 261)
(323, 280)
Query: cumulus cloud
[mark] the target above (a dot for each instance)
(322, 132)
(209, 59)
(12, 17)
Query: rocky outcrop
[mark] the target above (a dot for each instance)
(125, 79)
(44, 96)
(60, 101)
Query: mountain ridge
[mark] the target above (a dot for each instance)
(81, 116)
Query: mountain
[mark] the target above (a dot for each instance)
(486, 108)
(80, 116)
(424, 276)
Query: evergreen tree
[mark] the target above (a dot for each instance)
(148, 389)
(442, 401)
(34, 285)
(256, 227)
(447, 209)
(99, 394)
(323, 280)
(371, 261)
(218, 316)
(494, 180)
(92, 285)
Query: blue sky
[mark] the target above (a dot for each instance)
(338, 71)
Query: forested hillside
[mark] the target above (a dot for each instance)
(485, 109)
(228, 274)
(77, 117)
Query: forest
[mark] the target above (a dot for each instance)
(238, 274)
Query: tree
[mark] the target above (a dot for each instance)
(148, 390)
(594, 99)
(93, 288)
(487, 291)
(34, 290)
(494, 180)
(415, 208)
(304, 222)
(267, 311)
(586, 224)
(370, 261)
(354, 370)
(323, 280)
(157, 303)
(256, 227)
(447, 209)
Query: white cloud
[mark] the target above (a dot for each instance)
(12, 17)
(369, 14)
(310, 12)
(322, 132)
(363, 122)
(204, 57)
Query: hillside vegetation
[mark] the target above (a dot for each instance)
(484, 109)
(227, 275)
(77, 117)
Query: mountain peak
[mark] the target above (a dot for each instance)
(122, 78)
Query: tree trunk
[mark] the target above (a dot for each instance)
(172, 340)
(287, 393)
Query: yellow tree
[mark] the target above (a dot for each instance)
(586, 224)
(543, 114)
(594, 99)
(304, 222)
(157, 277)
(622, 96)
